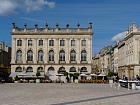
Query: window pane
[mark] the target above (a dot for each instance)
(19, 42)
(62, 42)
(40, 43)
(51, 42)
(29, 42)
(72, 42)
(84, 42)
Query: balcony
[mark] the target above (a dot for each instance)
(19, 61)
(73, 62)
(52, 62)
(29, 61)
(40, 61)
(84, 62)
(62, 62)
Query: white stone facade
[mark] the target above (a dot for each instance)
(129, 54)
(54, 55)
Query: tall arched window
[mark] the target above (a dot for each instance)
(83, 69)
(40, 55)
(51, 55)
(18, 69)
(19, 56)
(72, 69)
(29, 69)
(83, 55)
(73, 55)
(62, 55)
(40, 69)
(30, 55)
(61, 70)
(51, 71)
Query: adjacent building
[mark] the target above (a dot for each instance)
(102, 61)
(5, 57)
(130, 60)
(51, 51)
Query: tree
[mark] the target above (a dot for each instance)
(16, 78)
(76, 75)
(110, 74)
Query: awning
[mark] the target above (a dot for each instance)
(83, 75)
(102, 75)
(93, 74)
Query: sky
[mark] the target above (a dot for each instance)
(109, 17)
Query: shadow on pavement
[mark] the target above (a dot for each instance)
(98, 98)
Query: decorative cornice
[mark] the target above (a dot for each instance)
(51, 64)
(52, 33)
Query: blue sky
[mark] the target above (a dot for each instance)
(109, 17)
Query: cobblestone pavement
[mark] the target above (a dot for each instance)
(66, 94)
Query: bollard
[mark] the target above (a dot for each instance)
(128, 86)
(119, 85)
(133, 86)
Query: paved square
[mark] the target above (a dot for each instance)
(66, 94)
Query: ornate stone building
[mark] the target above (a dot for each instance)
(130, 63)
(51, 51)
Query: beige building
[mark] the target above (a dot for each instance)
(96, 66)
(51, 51)
(115, 59)
(102, 61)
(130, 63)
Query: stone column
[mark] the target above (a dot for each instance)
(67, 50)
(88, 48)
(13, 50)
(56, 51)
(78, 50)
(24, 52)
(45, 50)
(35, 50)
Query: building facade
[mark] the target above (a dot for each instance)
(51, 51)
(131, 62)
(5, 57)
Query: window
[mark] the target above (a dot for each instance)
(83, 55)
(19, 42)
(29, 42)
(62, 42)
(18, 69)
(73, 42)
(51, 42)
(29, 69)
(83, 69)
(40, 55)
(62, 55)
(61, 70)
(73, 55)
(72, 69)
(40, 69)
(19, 56)
(51, 55)
(84, 42)
(51, 72)
(30, 55)
(40, 43)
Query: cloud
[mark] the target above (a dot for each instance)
(31, 19)
(50, 4)
(119, 36)
(8, 7)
